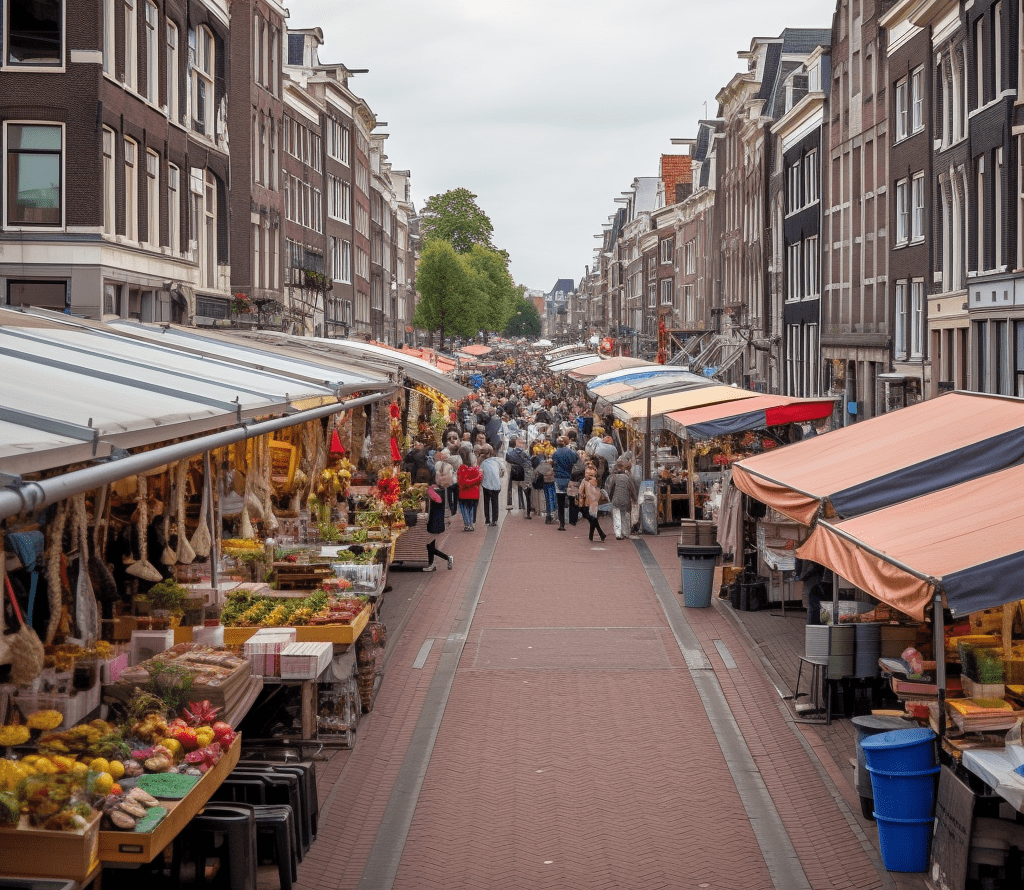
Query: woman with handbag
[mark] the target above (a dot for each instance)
(520, 474)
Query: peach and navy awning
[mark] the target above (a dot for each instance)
(966, 541)
(757, 413)
(891, 458)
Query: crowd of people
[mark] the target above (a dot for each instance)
(537, 438)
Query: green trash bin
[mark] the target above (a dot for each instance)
(697, 564)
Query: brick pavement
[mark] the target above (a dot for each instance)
(574, 749)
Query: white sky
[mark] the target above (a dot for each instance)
(545, 109)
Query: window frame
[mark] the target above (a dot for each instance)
(205, 58)
(131, 188)
(152, 198)
(41, 67)
(172, 40)
(109, 150)
(901, 109)
(665, 249)
(174, 209)
(666, 288)
(130, 75)
(901, 207)
(917, 207)
(10, 225)
(916, 318)
(916, 99)
(152, 51)
(899, 334)
(812, 178)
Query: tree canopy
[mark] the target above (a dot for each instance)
(450, 292)
(525, 320)
(455, 217)
(498, 289)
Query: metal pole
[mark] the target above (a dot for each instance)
(647, 444)
(939, 636)
(30, 497)
(210, 517)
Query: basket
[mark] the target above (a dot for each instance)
(366, 679)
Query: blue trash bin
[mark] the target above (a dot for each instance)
(697, 565)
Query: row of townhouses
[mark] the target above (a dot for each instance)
(851, 223)
(192, 161)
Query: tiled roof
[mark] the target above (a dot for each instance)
(565, 285)
(804, 40)
(773, 52)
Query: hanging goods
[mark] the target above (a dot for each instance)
(27, 655)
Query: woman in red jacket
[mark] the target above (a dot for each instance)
(469, 476)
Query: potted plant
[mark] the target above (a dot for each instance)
(168, 597)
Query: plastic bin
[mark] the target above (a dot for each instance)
(905, 843)
(901, 751)
(697, 566)
(908, 795)
(871, 725)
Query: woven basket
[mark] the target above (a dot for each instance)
(366, 678)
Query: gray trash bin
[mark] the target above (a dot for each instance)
(697, 565)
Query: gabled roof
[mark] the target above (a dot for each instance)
(565, 285)
(804, 40)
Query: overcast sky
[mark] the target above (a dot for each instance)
(545, 109)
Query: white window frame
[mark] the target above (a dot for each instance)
(171, 84)
(997, 203)
(48, 67)
(665, 251)
(917, 332)
(812, 178)
(811, 286)
(201, 75)
(794, 270)
(901, 110)
(174, 209)
(109, 182)
(899, 335)
(690, 257)
(917, 100)
(793, 193)
(917, 207)
(131, 189)
(109, 46)
(131, 45)
(997, 45)
(152, 198)
(902, 212)
(667, 289)
(152, 24)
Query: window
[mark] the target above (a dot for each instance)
(980, 202)
(689, 307)
(341, 260)
(902, 110)
(109, 184)
(152, 198)
(997, 45)
(667, 295)
(811, 267)
(916, 319)
(274, 39)
(793, 191)
(811, 177)
(899, 335)
(174, 209)
(902, 212)
(362, 179)
(152, 53)
(794, 271)
(337, 140)
(34, 33)
(131, 45)
(172, 71)
(108, 37)
(690, 257)
(34, 175)
(665, 250)
(362, 264)
(979, 60)
(997, 204)
(131, 191)
(917, 203)
(201, 48)
(917, 101)
(272, 183)
(209, 236)
(652, 295)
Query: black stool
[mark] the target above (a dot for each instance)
(282, 789)
(226, 833)
(306, 771)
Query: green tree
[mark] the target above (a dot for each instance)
(525, 321)
(455, 217)
(498, 290)
(450, 293)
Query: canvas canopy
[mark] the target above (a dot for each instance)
(749, 414)
(678, 401)
(589, 372)
(572, 362)
(890, 458)
(966, 540)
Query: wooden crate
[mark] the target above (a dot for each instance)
(342, 634)
(51, 854)
(138, 847)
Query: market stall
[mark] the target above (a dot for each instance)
(208, 488)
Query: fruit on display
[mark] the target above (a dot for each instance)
(246, 609)
(44, 720)
(14, 735)
(97, 738)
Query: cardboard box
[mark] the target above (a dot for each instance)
(305, 661)
(147, 643)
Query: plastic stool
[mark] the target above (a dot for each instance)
(283, 788)
(306, 771)
(227, 833)
(818, 666)
(278, 822)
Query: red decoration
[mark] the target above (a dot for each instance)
(396, 455)
(394, 410)
(336, 446)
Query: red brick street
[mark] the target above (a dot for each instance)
(551, 716)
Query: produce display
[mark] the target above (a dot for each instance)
(96, 767)
(246, 609)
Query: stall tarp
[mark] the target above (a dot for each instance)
(967, 539)
(753, 414)
(562, 365)
(608, 365)
(642, 377)
(679, 401)
(889, 458)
